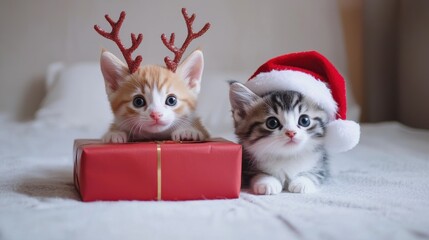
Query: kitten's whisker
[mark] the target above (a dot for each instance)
(123, 124)
(141, 126)
(126, 122)
(266, 147)
(181, 122)
(132, 131)
(130, 124)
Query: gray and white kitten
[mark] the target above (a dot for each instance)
(282, 136)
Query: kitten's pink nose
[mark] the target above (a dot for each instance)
(290, 133)
(155, 115)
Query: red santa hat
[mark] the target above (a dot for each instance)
(314, 76)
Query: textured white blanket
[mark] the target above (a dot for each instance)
(379, 190)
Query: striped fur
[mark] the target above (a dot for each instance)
(153, 85)
(273, 158)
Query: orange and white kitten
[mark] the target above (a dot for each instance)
(153, 103)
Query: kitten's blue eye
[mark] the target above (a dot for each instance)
(139, 102)
(304, 120)
(272, 123)
(171, 100)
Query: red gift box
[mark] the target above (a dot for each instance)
(157, 170)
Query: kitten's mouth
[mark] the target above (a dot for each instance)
(158, 124)
(292, 142)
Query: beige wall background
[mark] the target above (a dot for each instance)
(244, 34)
(379, 46)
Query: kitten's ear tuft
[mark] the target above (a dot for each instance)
(113, 69)
(240, 98)
(191, 70)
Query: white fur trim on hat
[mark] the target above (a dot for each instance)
(295, 81)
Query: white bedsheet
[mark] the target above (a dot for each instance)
(379, 190)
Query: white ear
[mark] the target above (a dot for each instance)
(240, 98)
(191, 70)
(113, 69)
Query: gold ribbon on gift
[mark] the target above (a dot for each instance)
(158, 157)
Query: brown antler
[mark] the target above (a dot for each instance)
(172, 64)
(114, 36)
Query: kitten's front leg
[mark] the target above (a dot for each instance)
(191, 134)
(263, 184)
(115, 136)
(302, 184)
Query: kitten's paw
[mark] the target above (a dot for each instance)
(115, 137)
(190, 134)
(302, 185)
(263, 184)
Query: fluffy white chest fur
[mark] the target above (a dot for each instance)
(284, 171)
(287, 167)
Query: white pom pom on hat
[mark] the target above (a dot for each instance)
(314, 76)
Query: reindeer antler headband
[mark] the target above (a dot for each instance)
(172, 65)
(114, 36)
(133, 65)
